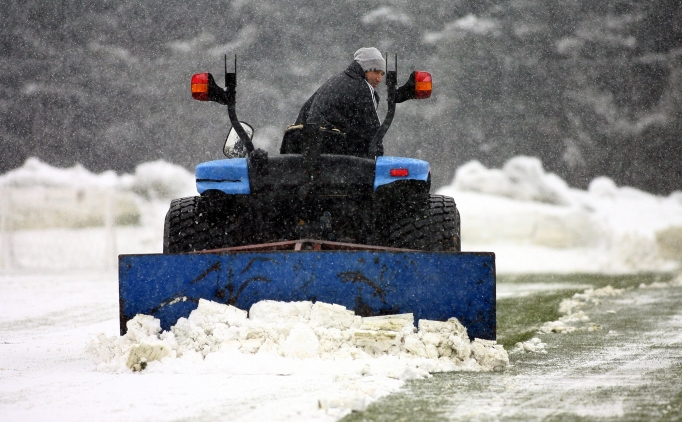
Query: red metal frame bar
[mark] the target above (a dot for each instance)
(305, 245)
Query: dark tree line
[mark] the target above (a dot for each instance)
(592, 88)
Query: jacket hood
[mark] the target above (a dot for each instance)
(354, 70)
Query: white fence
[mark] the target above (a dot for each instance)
(64, 228)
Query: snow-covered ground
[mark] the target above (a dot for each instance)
(60, 230)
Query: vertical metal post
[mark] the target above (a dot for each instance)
(231, 91)
(6, 252)
(109, 231)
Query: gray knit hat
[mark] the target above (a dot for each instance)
(370, 59)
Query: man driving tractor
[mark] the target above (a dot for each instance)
(347, 103)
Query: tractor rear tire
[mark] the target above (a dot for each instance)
(434, 228)
(197, 223)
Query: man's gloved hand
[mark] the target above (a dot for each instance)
(406, 92)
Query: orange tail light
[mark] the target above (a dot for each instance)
(200, 86)
(423, 85)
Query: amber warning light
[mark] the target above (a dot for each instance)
(200, 86)
(422, 85)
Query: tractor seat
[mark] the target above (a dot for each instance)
(297, 139)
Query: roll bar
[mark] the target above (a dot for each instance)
(231, 98)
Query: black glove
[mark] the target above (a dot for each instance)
(405, 92)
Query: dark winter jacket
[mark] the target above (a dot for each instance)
(345, 103)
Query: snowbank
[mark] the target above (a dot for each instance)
(156, 179)
(536, 223)
(39, 196)
(36, 173)
(285, 335)
(521, 178)
(160, 180)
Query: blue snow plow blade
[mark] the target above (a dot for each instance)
(431, 285)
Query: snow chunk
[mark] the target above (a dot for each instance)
(272, 312)
(403, 323)
(534, 345)
(489, 354)
(211, 313)
(301, 343)
(140, 345)
(141, 354)
(332, 316)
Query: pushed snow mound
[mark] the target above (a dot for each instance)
(391, 345)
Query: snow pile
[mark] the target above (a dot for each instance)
(521, 178)
(536, 223)
(160, 180)
(300, 330)
(36, 173)
(282, 335)
(38, 196)
(534, 345)
(575, 318)
(157, 179)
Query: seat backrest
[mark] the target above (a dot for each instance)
(292, 141)
(296, 141)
